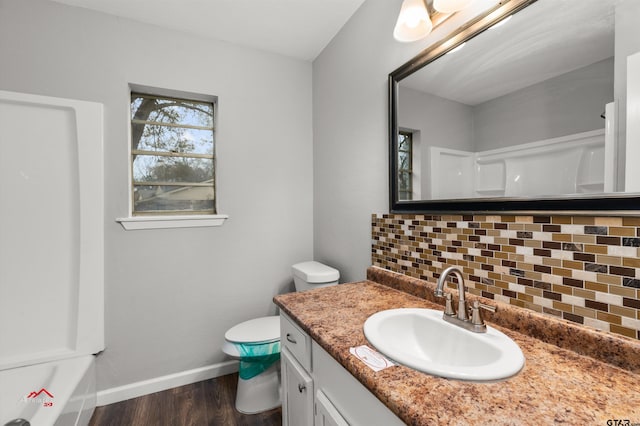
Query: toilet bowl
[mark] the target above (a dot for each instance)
(256, 343)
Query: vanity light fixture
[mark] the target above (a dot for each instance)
(413, 22)
(418, 17)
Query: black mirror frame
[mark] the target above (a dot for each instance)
(614, 204)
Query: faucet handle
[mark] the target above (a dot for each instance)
(448, 308)
(476, 316)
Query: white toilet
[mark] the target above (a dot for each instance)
(257, 344)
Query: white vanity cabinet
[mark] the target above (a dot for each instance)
(297, 392)
(318, 391)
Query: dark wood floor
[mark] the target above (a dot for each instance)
(211, 402)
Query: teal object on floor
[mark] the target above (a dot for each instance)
(256, 358)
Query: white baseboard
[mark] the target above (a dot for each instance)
(157, 384)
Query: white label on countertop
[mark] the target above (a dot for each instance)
(371, 358)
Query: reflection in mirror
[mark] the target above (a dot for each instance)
(405, 166)
(528, 109)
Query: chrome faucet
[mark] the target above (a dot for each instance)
(476, 323)
(462, 303)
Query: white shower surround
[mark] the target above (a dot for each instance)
(573, 164)
(51, 257)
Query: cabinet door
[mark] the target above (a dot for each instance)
(297, 395)
(326, 413)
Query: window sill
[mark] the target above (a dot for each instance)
(167, 222)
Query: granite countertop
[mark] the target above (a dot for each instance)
(556, 385)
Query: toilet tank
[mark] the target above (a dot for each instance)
(312, 274)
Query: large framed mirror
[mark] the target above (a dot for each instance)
(534, 105)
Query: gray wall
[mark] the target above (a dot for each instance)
(447, 123)
(350, 132)
(171, 294)
(563, 105)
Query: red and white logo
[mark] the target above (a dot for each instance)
(43, 396)
(40, 392)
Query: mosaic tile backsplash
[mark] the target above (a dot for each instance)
(583, 269)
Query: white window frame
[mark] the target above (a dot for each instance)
(164, 221)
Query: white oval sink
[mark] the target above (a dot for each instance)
(421, 339)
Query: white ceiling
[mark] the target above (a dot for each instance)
(548, 38)
(295, 28)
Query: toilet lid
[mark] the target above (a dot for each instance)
(263, 329)
(315, 272)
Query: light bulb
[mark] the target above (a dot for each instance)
(412, 19)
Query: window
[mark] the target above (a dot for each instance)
(172, 156)
(405, 174)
